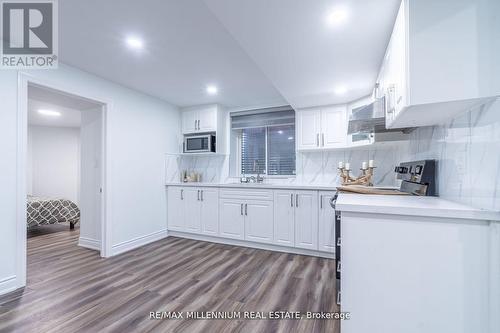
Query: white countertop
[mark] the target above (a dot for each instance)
(263, 185)
(412, 205)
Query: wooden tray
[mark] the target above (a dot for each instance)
(370, 190)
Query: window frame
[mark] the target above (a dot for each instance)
(239, 157)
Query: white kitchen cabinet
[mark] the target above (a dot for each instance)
(189, 121)
(200, 119)
(192, 209)
(333, 127)
(284, 218)
(176, 219)
(322, 128)
(259, 221)
(308, 129)
(431, 274)
(433, 72)
(306, 220)
(232, 218)
(210, 211)
(326, 225)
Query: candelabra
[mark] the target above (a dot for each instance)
(366, 177)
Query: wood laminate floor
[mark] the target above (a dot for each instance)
(72, 289)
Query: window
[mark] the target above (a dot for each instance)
(266, 142)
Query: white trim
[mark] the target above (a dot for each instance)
(8, 284)
(269, 247)
(138, 242)
(89, 243)
(22, 124)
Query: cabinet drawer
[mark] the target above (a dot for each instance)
(246, 194)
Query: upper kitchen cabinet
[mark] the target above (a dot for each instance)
(321, 128)
(200, 119)
(439, 61)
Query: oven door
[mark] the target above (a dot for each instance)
(197, 144)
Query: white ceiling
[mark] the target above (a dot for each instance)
(186, 49)
(304, 57)
(257, 52)
(69, 107)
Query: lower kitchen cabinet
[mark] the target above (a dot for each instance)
(284, 218)
(326, 226)
(259, 221)
(232, 220)
(306, 220)
(210, 211)
(176, 211)
(193, 210)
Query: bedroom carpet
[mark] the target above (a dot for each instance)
(72, 289)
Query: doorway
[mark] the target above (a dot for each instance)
(61, 161)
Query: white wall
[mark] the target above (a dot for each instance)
(53, 162)
(140, 129)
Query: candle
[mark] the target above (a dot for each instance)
(341, 165)
(347, 166)
(364, 165)
(371, 164)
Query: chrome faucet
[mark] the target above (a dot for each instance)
(260, 179)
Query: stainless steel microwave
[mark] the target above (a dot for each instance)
(204, 143)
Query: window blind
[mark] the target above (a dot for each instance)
(263, 118)
(281, 150)
(253, 150)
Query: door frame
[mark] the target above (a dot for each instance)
(24, 80)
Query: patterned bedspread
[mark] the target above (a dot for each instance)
(49, 211)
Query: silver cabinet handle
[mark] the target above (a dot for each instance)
(321, 202)
(322, 139)
(338, 266)
(201, 195)
(198, 124)
(291, 200)
(339, 241)
(195, 125)
(198, 195)
(246, 209)
(296, 200)
(241, 209)
(317, 139)
(182, 194)
(338, 297)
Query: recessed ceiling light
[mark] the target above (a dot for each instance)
(337, 16)
(212, 90)
(280, 132)
(340, 90)
(49, 113)
(290, 138)
(135, 43)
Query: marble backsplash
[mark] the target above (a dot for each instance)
(467, 150)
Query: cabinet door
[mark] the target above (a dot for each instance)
(192, 209)
(231, 218)
(308, 129)
(176, 219)
(306, 220)
(259, 221)
(189, 122)
(210, 211)
(284, 218)
(326, 225)
(207, 119)
(333, 127)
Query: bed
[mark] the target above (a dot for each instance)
(43, 211)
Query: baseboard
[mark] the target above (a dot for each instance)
(89, 243)
(138, 242)
(8, 284)
(261, 246)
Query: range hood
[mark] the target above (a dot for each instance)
(368, 118)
